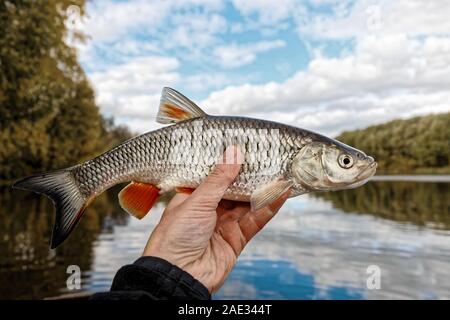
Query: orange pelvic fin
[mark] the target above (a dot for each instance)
(184, 190)
(137, 198)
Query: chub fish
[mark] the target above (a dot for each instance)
(276, 158)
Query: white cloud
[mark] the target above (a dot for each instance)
(202, 81)
(268, 11)
(233, 55)
(132, 90)
(410, 17)
(345, 19)
(194, 32)
(396, 67)
(139, 28)
(137, 76)
(110, 20)
(386, 77)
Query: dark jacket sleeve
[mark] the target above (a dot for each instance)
(152, 278)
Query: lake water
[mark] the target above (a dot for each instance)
(318, 246)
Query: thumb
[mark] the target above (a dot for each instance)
(210, 192)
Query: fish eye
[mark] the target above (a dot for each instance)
(345, 161)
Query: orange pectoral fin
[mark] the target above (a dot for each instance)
(137, 198)
(184, 190)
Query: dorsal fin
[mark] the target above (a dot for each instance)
(175, 107)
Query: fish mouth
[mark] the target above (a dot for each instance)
(368, 172)
(364, 176)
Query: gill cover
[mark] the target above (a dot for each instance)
(307, 166)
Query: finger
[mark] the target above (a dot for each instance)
(231, 211)
(253, 222)
(184, 190)
(226, 204)
(231, 204)
(177, 199)
(211, 191)
(228, 225)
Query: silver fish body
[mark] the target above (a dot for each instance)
(182, 155)
(276, 158)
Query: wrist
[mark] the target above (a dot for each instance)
(201, 274)
(159, 278)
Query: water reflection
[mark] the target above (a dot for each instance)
(335, 249)
(416, 202)
(313, 249)
(28, 269)
(279, 279)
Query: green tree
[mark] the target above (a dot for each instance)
(417, 145)
(48, 115)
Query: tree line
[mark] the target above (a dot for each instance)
(48, 115)
(417, 145)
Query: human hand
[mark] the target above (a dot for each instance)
(203, 234)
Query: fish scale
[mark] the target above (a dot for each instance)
(146, 158)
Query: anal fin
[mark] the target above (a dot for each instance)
(137, 198)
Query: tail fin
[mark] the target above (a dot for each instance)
(59, 186)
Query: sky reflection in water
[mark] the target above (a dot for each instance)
(317, 247)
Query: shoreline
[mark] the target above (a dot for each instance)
(412, 178)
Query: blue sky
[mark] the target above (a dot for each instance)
(325, 65)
